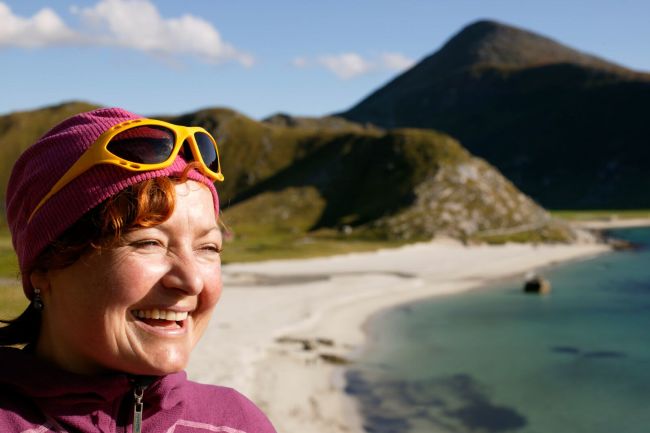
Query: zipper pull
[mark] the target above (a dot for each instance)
(138, 392)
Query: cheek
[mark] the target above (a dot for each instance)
(129, 283)
(213, 282)
(211, 294)
(101, 306)
(106, 303)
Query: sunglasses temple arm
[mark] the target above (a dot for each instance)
(80, 166)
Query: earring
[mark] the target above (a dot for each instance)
(37, 301)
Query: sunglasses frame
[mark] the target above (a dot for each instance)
(98, 153)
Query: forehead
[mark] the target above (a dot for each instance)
(194, 201)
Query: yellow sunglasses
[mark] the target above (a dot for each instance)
(145, 145)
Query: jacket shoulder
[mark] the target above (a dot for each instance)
(225, 407)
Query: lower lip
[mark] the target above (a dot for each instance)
(163, 331)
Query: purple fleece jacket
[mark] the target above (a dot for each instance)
(36, 397)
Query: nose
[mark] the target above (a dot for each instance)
(184, 275)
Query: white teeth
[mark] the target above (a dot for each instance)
(173, 316)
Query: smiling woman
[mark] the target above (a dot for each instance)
(114, 219)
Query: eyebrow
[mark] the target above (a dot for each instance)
(211, 229)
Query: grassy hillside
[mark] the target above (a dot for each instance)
(396, 186)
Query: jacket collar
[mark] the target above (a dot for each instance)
(42, 381)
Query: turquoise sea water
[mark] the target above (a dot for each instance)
(497, 360)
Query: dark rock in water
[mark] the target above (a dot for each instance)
(537, 284)
(621, 244)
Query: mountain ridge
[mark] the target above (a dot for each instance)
(537, 110)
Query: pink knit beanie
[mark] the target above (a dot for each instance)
(41, 166)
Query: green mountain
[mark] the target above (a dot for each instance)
(18, 130)
(302, 175)
(568, 128)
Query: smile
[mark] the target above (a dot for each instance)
(162, 319)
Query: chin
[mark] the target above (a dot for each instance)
(160, 365)
(168, 367)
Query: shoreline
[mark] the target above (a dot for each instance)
(285, 329)
(611, 223)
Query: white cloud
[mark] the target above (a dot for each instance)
(350, 65)
(43, 29)
(137, 24)
(134, 24)
(396, 61)
(346, 65)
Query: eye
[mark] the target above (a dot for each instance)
(212, 248)
(146, 243)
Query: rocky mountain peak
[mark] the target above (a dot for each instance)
(490, 43)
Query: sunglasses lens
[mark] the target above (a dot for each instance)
(143, 144)
(208, 150)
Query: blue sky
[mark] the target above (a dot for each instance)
(261, 57)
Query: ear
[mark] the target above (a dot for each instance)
(40, 280)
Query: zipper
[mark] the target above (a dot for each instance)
(138, 392)
(140, 384)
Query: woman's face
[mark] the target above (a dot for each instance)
(139, 307)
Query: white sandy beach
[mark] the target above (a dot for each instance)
(330, 299)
